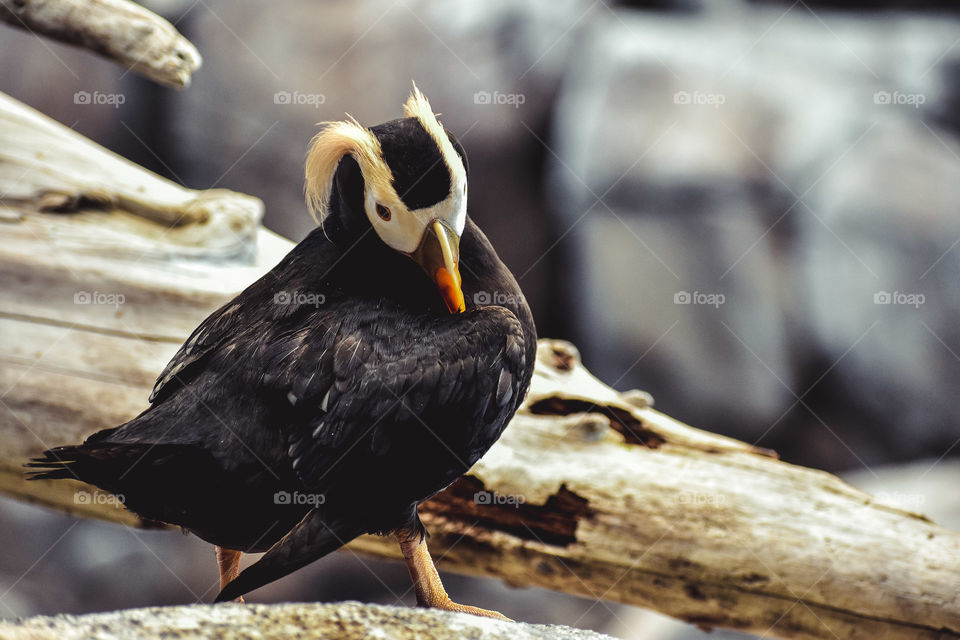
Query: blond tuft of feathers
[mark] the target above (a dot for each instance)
(417, 106)
(338, 139)
(327, 148)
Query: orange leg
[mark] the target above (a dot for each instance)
(229, 562)
(426, 580)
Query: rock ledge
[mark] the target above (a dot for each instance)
(342, 620)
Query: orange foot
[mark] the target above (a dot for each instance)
(426, 580)
(449, 605)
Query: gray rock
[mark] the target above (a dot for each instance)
(344, 620)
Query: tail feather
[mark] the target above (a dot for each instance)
(108, 465)
(54, 464)
(311, 539)
(88, 463)
(66, 462)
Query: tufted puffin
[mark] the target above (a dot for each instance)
(372, 367)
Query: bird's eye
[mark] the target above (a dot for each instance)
(383, 212)
(464, 188)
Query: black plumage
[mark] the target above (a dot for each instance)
(330, 397)
(408, 149)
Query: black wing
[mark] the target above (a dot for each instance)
(359, 377)
(352, 370)
(358, 382)
(211, 334)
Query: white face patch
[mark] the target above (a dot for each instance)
(405, 228)
(398, 227)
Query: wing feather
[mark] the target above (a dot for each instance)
(377, 382)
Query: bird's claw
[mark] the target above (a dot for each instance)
(449, 605)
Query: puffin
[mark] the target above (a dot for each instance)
(372, 367)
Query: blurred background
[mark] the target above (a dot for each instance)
(748, 209)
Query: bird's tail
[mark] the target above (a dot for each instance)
(311, 539)
(146, 476)
(99, 464)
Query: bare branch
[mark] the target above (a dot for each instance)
(120, 30)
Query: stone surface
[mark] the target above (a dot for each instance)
(343, 620)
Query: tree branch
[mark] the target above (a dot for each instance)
(120, 30)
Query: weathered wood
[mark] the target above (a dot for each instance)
(104, 267)
(343, 621)
(45, 166)
(589, 491)
(695, 526)
(120, 30)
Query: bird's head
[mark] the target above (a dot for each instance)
(407, 179)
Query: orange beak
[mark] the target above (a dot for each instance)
(438, 255)
(449, 284)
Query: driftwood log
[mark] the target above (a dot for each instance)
(46, 167)
(117, 29)
(103, 268)
(590, 491)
